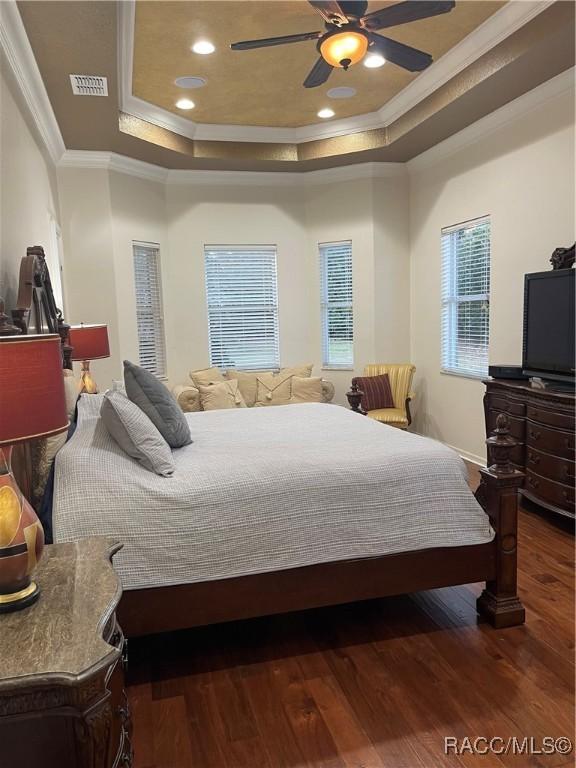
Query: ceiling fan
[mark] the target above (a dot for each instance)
(350, 34)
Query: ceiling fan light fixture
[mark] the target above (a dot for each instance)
(343, 48)
(374, 60)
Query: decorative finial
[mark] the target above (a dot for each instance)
(500, 446)
(355, 398)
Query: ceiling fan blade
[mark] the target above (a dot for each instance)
(330, 10)
(402, 13)
(319, 73)
(402, 55)
(247, 45)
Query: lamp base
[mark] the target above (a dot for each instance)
(87, 384)
(21, 541)
(15, 601)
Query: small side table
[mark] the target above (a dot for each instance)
(62, 698)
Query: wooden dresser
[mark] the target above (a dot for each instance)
(542, 421)
(62, 698)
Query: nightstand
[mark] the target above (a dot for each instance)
(62, 698)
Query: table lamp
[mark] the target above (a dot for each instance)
(32, 405)
(88, 342)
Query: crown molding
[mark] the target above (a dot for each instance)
(20, 57)
(496, 28)
(109, 161)
(551, 89)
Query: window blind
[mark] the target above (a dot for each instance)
(149, 315)
(242, 298)
(336, 304)
(466, 297)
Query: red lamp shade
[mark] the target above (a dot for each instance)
(32, 401)
(89, 342)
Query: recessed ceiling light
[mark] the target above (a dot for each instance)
(185, 104)
(190, 82)
(326, 113)
(203, 47)
(342, 92)
(374, 60)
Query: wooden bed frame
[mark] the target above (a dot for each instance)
(162, 609)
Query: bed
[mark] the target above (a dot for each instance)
(278, 509)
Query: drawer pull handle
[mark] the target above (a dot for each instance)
(535, 435)
(567, 474)
(533, 459)
(533, 481)
(568, 442)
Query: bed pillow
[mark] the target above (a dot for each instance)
(160, 405)
(135, 433)
(377, 391)
(273, 390)
(206, 376)
(224, 394)
(306, 389)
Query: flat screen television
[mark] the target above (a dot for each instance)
(549, 345)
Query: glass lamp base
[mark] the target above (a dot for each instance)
(87, 383)
(15, 601)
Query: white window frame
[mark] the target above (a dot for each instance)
(452, 301)
(252, 358)
(326, 305)
(152, 311)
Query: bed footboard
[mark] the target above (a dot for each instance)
(498, 495)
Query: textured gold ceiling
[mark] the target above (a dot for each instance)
(264, 87)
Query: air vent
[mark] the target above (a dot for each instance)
(89, 85)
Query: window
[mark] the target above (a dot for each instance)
(242, 297)
(466, 297)
(336, 304)
(149, 315)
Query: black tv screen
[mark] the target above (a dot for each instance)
(548, 349)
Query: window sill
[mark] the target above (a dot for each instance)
(336, 368)
(462, 375)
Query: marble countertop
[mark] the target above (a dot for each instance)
(61, 635)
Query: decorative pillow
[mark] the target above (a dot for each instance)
(225, 394)
(151, 396)
(304, 371)
(306, 389)
(206, 376)
(135, 433)
(377, 391)
(273, 390)
(247, 383)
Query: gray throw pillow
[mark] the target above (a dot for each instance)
(135, 433)
(160, 405)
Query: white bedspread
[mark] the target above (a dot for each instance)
(262, 489)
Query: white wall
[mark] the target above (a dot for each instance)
(105, 211)
(522, 175)
(28, 190)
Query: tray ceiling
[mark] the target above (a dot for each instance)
(264, 87)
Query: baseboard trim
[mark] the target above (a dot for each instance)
(471, 457)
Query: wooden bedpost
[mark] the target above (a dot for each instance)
(354, 397)
(498, 495)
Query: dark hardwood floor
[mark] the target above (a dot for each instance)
(369, 685)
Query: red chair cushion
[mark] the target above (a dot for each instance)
(377, 391)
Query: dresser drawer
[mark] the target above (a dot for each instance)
(550, 440)
(552, 418)
(504, 405)
(553, 467)
(558, 494)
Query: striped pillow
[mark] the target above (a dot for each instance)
(377, 392)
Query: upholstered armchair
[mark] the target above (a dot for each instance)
(400, 376)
